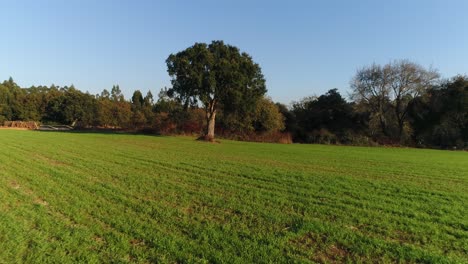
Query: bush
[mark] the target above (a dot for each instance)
(266, 137)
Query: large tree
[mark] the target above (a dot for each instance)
(391, 87)
(216, 75)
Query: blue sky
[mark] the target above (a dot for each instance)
(303, 47)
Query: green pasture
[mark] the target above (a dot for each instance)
(117, 198)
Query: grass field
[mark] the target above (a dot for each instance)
(77, 197)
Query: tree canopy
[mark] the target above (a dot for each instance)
(216, 75)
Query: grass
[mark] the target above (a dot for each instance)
(77, 197)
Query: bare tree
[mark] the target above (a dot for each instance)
(370, 87)
(391, 87)
(409, 80)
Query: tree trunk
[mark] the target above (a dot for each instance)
(210, 126)
(401, 125)
(383, 125)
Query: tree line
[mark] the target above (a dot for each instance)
(399, 103)
(216, 87)
(111, 110)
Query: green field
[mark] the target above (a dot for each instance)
(83, 197)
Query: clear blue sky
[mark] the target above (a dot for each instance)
(303, 47)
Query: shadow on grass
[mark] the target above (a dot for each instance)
(104, 132)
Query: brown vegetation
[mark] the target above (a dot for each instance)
(20, 124)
